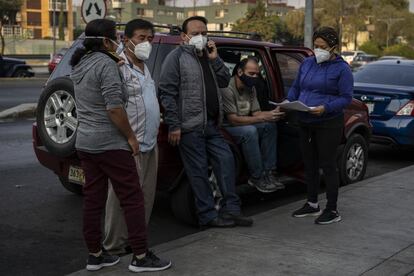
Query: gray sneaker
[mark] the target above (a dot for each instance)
(273, 180)
(262, 185)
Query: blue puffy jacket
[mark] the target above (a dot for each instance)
(329, 84)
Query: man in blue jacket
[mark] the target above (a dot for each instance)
(190, 82)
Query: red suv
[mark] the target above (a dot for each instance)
(55, 131)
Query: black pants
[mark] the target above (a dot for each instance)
(319, 142)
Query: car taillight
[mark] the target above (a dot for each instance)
(407, 110)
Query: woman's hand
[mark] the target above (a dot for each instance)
(318, 111)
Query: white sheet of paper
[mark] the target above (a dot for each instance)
(296, 105)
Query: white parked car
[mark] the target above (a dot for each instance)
(349, 56)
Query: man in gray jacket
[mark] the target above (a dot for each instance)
(190, 82)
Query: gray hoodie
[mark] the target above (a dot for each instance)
(98, 86)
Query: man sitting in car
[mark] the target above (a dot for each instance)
(253, 129)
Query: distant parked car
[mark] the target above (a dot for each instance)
(362, 60)
(349, 56)
(56, 58)
(14, 68)
(391, 57)
(387, 88)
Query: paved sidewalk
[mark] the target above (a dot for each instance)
(375, 237)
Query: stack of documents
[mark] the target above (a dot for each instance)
(296, 105)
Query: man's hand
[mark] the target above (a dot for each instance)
(133, 143)
(212, 50)
(272, 116)
(174, 137)
(318, 111)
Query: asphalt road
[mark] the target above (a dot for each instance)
(13, 92)
(40, 222)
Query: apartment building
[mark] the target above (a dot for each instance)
(35, 19)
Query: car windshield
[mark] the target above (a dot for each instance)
(386, 74)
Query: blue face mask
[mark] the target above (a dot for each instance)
(248, 81)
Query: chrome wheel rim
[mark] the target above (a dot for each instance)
(60, 117)
(215, 188)
(355, 161)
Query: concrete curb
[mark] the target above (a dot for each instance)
(27, 110)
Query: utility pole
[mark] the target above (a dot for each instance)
(54, 25)
(341, 28)
(308, 24)
(389, 22)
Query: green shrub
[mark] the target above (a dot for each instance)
(400, 50)
(370, 47)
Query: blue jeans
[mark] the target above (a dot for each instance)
(258, 144)
(196, 149)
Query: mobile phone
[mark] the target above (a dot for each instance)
(209, 49)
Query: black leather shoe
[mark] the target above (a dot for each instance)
(219, 223)
(239, 220)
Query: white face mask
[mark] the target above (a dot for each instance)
(322, 55)
(142, 50)
(199, 41)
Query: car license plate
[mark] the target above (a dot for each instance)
(370, 107)
(76, 175)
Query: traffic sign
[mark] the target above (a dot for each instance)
(93, 9)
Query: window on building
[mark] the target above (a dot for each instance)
(34, 19)
(145, 12)
(169, 13)
(160, 12)
(56, 4)
(180, 16)
(142, 2)
(37, 33)
(197, 13)
(161, 2)
(65, 19)
(221, 13)
(34, 4)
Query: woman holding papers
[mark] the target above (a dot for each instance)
(324, 84)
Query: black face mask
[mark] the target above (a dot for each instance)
(248, 81)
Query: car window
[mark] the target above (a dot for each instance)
(289, 64)
(232, 56)
(157, 58)
(64, 68)
(386, 74)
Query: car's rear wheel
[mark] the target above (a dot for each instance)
(21, 73)
(183, 201)
(353, 159)
(56, 117)
(70, 186)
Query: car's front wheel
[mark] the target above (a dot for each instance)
(353, 159)
(21, 73)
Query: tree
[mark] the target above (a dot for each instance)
(295, 22)
(61, 21)
(8, 11)
(257, 21)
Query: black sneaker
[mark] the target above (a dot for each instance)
(149, 263)
(328, 217)
(96, 263)
(306, 211)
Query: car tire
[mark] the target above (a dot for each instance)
(183, 203)
(56, 117)
(21, 73)
(71, 187)
(353, 159)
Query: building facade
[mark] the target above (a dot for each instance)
(221, 14)
(35, 20)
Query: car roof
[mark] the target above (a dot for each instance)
(402, 62)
